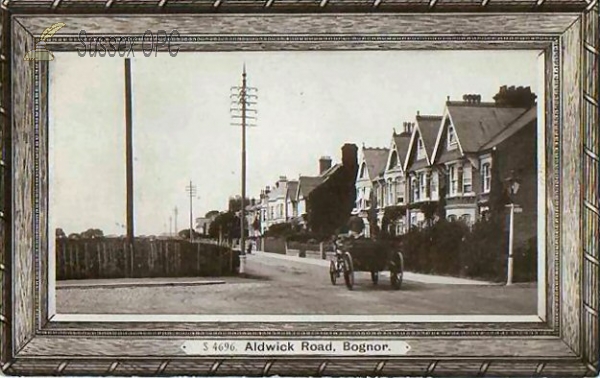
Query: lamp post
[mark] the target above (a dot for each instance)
(512, 187)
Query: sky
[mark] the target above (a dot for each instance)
(309, 104)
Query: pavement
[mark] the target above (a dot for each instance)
(135, 282)
(285, 285)
(408, 276)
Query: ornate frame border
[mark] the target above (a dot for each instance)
(567, 344)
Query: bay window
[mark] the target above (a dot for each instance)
(415, 188)
(422, 185)
(453, 180)
(467, 179)
(399, 191)
(434, 184)
(486, 177)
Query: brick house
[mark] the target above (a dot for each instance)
(329, 204)
(422, 178)
(372, 162)
(291, 201)
(512, 154)
(390, 187)
(481, 144)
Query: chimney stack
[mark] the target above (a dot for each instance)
(472, 98)
(324, 164)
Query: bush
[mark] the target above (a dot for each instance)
(484, 252)
(451, 248)
(526, 261)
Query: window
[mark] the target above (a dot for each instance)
(420, 149)
(452, 140)
(390, 199)
(399, 191)
(393, 160)
(363, 170)
(453, 180)
(466, 218)
(415, 188)
(452, 218)
(467, 179)
(460, 176)
(486, 177)
(422, 185)
(428, 185)
(434, 184)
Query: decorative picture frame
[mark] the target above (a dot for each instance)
(36, 342)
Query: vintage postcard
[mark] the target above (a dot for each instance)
(353, 189)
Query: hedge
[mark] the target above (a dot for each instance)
(451, 248)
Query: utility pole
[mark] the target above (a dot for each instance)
(129, 159)
(170, 225)
(191, 189)
(243, 100)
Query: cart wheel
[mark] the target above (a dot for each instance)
(375, 277)
(397, 271)
(348, 271)
(333, 272)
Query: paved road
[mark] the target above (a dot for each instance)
(277, 286)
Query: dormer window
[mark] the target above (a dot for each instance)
(452, 140)
(420, 149)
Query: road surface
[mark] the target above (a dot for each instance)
(279, 286)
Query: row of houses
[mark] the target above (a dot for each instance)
(455, 164)
(290, 201)
(450, 165)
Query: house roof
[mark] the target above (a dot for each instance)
(307, 184)
(522, 121)
(325, 175)
(402, 143)
(476, 124)
(375, 159)
(292, 189)
(429, 126)
(277, 192)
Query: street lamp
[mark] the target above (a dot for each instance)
(512, 187)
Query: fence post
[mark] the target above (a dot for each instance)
(322, 250)
(286, 246)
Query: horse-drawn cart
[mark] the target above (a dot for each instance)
(365, 255)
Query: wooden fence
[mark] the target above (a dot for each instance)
(111, 258)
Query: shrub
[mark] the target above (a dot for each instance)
(525, 261)
(451, 248)
(484, 252)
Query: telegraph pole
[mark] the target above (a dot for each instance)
(170, 225)
(243, 100)
(191, 189)
(129, 152)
